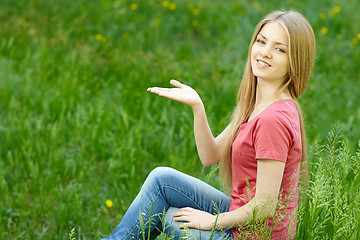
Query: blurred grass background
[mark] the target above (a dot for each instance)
(78, 127)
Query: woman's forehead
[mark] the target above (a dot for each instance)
(275, 32)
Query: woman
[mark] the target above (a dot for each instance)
(260, 151)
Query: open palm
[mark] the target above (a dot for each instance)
(181, 93)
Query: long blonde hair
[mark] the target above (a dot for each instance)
(301, 60)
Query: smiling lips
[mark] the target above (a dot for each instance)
(262, 63)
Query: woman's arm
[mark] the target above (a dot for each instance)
(206, 144)
(268, 182)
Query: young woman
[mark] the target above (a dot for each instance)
(260, 152)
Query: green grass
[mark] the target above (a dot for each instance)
(78, 127)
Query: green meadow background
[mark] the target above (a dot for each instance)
(79, 133)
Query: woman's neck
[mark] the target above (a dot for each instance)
(267, 93)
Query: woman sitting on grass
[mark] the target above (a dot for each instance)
(260, 151)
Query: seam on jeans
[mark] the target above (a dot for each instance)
(165, 186)
(160, 186)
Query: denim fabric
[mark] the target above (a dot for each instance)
(165, 191)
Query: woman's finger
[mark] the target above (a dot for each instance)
(170, 95)
(187, 209)
(164, 93)
(180, 213)
(182, 226)
(184, 211)
(182, 219)
(157, 89)
(176, 83)
(188, 225)
(177, 214)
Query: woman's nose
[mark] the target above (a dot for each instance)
(265, 52)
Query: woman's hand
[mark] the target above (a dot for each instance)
(182, 93)
(195, 218)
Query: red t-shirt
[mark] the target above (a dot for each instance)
(273, 134)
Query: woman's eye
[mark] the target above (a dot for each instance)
(260, 41)
(280, 50)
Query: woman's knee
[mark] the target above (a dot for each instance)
(158, 176)
(161, 170)
(162, 173)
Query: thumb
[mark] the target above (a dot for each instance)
(176, 83)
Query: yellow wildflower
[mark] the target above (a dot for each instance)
(109, 203)
(355, 40)
(358, 35)
(194, 23)
(335, 11)
(339, 37)
(322, 15)
(195, 11)
(133, 6)
(100, 38)
(324, 30)
(172, 6)
(165, 3)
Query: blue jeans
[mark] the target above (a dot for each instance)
(165, 191)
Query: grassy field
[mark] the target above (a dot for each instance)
(79, 133)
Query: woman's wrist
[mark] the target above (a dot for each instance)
(217, 222)
(198, 107)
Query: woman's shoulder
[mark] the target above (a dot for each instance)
(283, 112)
(281, 116)
(282, 108)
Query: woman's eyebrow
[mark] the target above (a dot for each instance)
(279, 43)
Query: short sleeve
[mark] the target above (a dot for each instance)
(273, 137)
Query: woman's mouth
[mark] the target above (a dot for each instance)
(262, 63)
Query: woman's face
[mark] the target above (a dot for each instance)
(269, 53)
